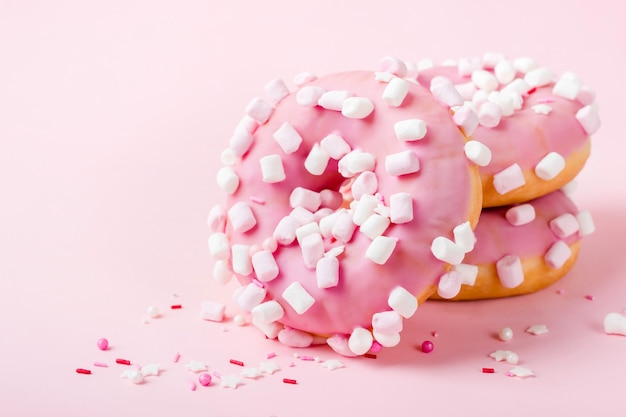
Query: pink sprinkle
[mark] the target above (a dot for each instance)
(376, 347)
(101, 364)
(291, 364)
(270, 355)
(545, 100)
(205, 379)
(258, 283)
(236, 362)
(103, 344)
(217, 375)
(590, 297)
(290, 381)
(427, 346)
(561, 291)
(192, 385)
(257, 200)
(434, 333)
(176, 357)
(307, 358)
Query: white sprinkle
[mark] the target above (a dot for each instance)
(298, 298)
(520, 372)
(542, 108)
(537, 329)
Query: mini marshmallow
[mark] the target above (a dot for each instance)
(331, 199)
(241, 217)
(219, 247)
(489, 114)
(295, 338)
(251, 296)
(570, 187)
(410, 129)
(468, 65)
(382, 209)
(550, 166)
(478, 153)
(510, 272)
(312, 247)
(402, 163)
(306, 230)
(395, 92)
(466, 90)
(518, 86)
(585, 222)
(505, 101)
(339, 343)
(228, 158)
(259, 110)
(491, 59)
(557, 255)
(333, 100)
(268, 312)
(365, 183)
(343, 227)
(227, 180)
(466, 119)
(302, 197)
(516, 97)
(222, 272)
(309, 95)
(303, 215)
(539, 77)
(401, 208)
(247, 124)
(327, 272)
(217, 219)
(335, 146)
(298, 298)
(317, 160)
(381, 249)
(357, 107)
(240, 142)
(327, 223)
(355, 162)
(384, 77)
(360, 341)
(303, 78)
(484, 80)
(264, 265)
(276, 90)
(447, 251)
(241, 261)
(564, 225)
(364, 208)
(393, 65)
(374, 226)
(615, 323)
(504, 72)
(588, 119)
(425, 63)
(567, 88)
(387, 340)
(464, 236)
(446, 93)
(403, 302)
(285, 231)
(335, 252)
(586, 95)
(321, 213)
(270, 330)
(468, 273)
(212, 311)
(387, 322)
(287, 138)
(525, 64)
(272, 169)
(508, 179)
(520, 215)
(449, 285)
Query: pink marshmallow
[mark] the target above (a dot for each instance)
(217, 219)
(365, 183)
(295, 338)
(331, 199)
(339, 343)
(402, 163)
(312, 247)
(241, 217)
(302, 197)
(520, 215)
(259, 110)
(251, 296)
(564, 225)
(212, 311)
(401, 208)
(240, 142)
(510, 272)
(586, 96)
(288, 138)
(588, 119)
(387, 322)
(327, 272)
(264, 265)
(557, 255)
(393, 65)
(508, 179)
(446, 93)
(466, 119)
(276, 90)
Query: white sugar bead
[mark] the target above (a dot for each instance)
(251, 296)
(355, 162)
(259, 110)
(586, 223)
(539, 77)
(550, 166)
(317, 160)
(264, 265)
(410, 129)
(298, 298)
(364, 208)
(333, 100)
(335, 146)
(381, 249)
(360, 341)
(566, 87)
(491, 59)
(510, 272)
(285, 231)
(520, 215)
(268, 312)
(219, 247)
(446, 93)
(309, 95)
(217, 219)
(395, 92)
(508, 179)
(276, 90)
(357, 107)
(506, 334)
(447, 251)
(241, 261)
(478, 153)
(466, 90)
(240, 142)
(393, 65)
(449, 285)
(212, 310)
(303, 78)
(468, 273)
(588, 119)
(312, 247)
(464, 236)
(402, 301)
(387, 340)
(525, 64)
(504, 72)
(557, 255)
(564, 225)
(343, 227)
(401, 208)
(484, 80)
(466, 119)
(222, 272)
(228, 180)
(288, 138)
(365, 183)
(272, 169)
(402, 163)
(306, 230)
(302, 197)
(518, 86)
(327, 272)
(374, 226)
(489, 114)
(241, 217)
(387, 322)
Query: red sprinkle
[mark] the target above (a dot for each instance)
(488, 370)
(176, 307)
(236, 362)
(122, 361)
(290, 381)
(532, 90)
(83, 371)
(590, 297)
(369, 355)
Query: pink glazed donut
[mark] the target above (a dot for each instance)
(534, 127)
(522, 248)
(348, 199)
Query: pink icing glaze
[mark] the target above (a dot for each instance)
(524, 137)
(442, 193)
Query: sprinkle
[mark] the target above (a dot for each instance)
(122, 361)
(257, 200)
(251, 373)
(369, 356)
(395, 92)
(506, 334)
(542, 109)
(434, 333)
(615, 323)
(176, 307)
(307, 358)
(289, 381)
(195, 366)
(270, 355)
(239, 320)
(102, 343)
(427, 346)
(230, 381)
(590, 297)
(176, 357)
(488, 371)
(537, 329)
(100, 364)
(236, 362)
(133, 375)
(205, 379)
(333, 364)
(83, 371)
(520, 372)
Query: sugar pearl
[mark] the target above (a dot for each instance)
(506, 334)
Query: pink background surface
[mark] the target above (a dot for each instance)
(112, 116)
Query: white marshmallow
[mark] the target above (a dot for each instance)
(520, 215)
(510, 272)
(425, 63)
(566, 87)
(403, 302)
(365, 183)
(241, 217)
(268, 312)
(312, 247)
(588, 119)
(504, 72)
(265, 266)
(276, 90)
(387, 322)
(564, 225)
(518, 86)
(357, 107)
(241, 262)
(525, 64)
(333, 100)
(355, 162)
(539, 77)
(508, 179)
(327, 272)
(447, 251)
(227, 180)
(446, 93)
(387, 340)
(302, 197)
(219, 247)
(240, 142)
(272, 169)
(285, 231)
(393, 65)
(295, 338)
(586, 95)
(335, 146)
(466, 90)
(464, 236)
(381, 249)
(212, 311)
(317, 160)
(489, 114)
(478, 153)
(484, 80)
(449, 285)
(217, 219)
(364, 208)
(586, 223)
(557, 255)
(410, 129)
(309, 95)
(550, 166)
(298, 298)
(615, 323)
(395, 92)
(466, 66)
(287, 138)
(491, 59)
(306, 230)
(222, 272)
(326, 224)
(251, 296)
(343, 227)
(270, 330)
(466, 119)
(401, 208)
(374, 226)
(360, 341)
(303, 78)
(468, 273)
(402, 163)
(259, 110)
(303, 215)
(505, 101)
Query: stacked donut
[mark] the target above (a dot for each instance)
(531, 136)
(354, 197)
